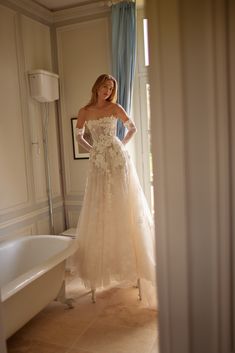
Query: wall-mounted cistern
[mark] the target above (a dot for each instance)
(44, 87)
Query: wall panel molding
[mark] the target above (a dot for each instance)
(17, 166)
(21, 230)
(73, 215)
(24, 107)
(74, 52)
(23, 193)
(25, 216)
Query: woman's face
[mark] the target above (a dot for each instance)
(105, 90)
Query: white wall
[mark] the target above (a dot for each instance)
(25, 45)
(79, 40)
(83, 54)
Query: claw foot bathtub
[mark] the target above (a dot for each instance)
(32, 273)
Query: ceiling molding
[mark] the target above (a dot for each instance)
(96, 8)
(31, 8)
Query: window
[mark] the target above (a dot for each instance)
(150, 160)
(146, 45)
(142, 110)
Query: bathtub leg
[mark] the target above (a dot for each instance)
(139, 288)
(62, 297)
(93, 296)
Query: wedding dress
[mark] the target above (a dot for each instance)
(115, 231)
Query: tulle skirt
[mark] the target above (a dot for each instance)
(115, 231)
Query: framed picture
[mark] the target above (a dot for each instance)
(78, 151)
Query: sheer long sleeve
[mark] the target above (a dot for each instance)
(130, 125)
(80, 139)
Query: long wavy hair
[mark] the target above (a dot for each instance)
(99, 82)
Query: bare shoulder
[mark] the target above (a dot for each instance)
(82, 117)
(82, 111)
(120, 112)
(112, 106)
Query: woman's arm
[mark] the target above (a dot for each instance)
(128, 123)
(80, 128)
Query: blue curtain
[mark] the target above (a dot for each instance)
(123, 54)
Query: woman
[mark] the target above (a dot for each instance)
(115, 227)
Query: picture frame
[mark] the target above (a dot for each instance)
(78, 151)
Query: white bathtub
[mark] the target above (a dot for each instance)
(32, 270)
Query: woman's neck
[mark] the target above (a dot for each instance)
(101, 104)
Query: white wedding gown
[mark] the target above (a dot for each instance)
(115, 231)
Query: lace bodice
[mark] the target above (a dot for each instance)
(102, 128)
(107, 151)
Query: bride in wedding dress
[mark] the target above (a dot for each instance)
(115, 231)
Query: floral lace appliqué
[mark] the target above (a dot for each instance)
(107, 152)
